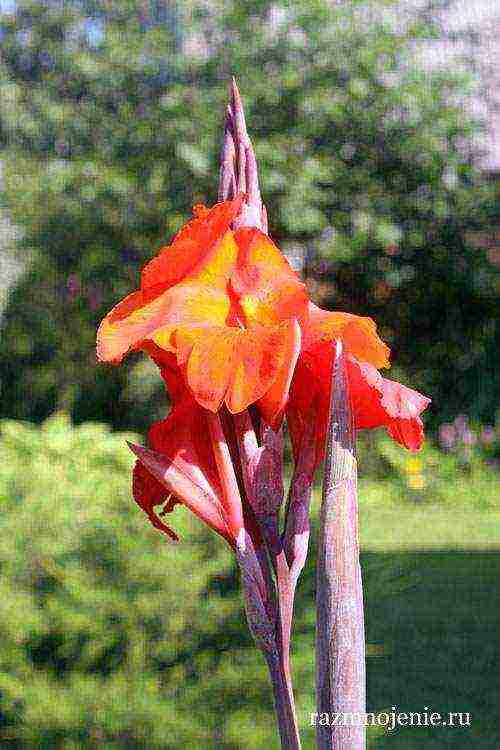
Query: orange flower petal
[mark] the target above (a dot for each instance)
(218, 263)
(191, 244)
(380, 402)
(211, 355)
(239, 366)
(376, 401)
(158, 319)
(128, 322)
(358, 334)
(267, 288)
(272, 404)
(229, 364)
(258, 359)
(151, 315)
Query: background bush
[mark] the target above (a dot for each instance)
(112, 637)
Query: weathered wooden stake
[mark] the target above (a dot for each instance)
(340, 635)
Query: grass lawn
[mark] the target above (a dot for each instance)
(429, 528)
(432, 622)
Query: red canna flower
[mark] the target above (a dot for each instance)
(231, 309)
(234, 316)
(229, 322)
(225, 303)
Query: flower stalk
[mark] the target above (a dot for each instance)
(340, 635)
(261, 460)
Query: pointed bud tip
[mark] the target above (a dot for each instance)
(236, 104)
(152, 460)
(136, 449)
(238, 114)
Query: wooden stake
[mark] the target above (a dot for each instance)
(340, 636)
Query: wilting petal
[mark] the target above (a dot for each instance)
(230, 498)
(182, 437)
(176, 482)
(379, 402)
(267, 288)
(148, 492)
(358, 335)
(191, 246)
(376, 401)
(182, 463)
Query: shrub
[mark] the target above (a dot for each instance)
(109, 635)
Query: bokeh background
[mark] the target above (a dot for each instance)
(378, 138)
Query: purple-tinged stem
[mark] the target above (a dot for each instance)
(297, 527)
(239, 174)
(262, 475)
(263, 628)
(287, 722)
(340, 636)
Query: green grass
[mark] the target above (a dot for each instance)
(433, 640)
(429, 528)
(432, 611)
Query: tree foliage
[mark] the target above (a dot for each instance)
(110, 127)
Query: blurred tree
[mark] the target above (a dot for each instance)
(110, 129)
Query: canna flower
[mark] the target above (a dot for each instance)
(236, 320)
(224, 306)
(230, 325)
(225, 303)
(239, 346)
